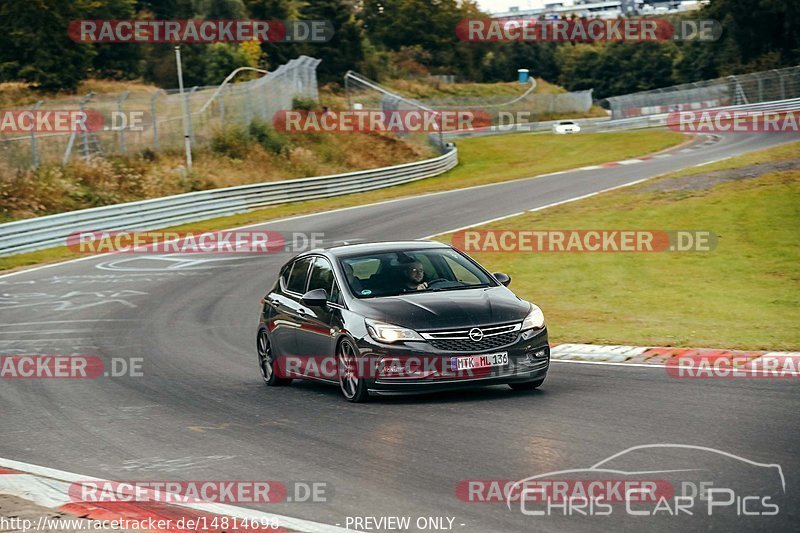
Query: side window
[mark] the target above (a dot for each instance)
(335, 296)
(297, 279)
(321, 275)
(285, 274)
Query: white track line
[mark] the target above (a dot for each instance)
(608, 363)
(296, 217)
(575, 199)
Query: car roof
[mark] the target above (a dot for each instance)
(347, 249)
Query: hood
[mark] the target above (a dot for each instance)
(447, 309)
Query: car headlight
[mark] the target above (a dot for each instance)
(534, 320)
(383, 332)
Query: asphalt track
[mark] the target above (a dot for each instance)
(201, 410)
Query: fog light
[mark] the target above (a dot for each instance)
(538, 354)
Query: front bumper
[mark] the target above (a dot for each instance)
(528, 355)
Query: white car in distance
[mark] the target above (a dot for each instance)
(566, 126)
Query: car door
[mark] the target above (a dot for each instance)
(285, 302)
(314, 337)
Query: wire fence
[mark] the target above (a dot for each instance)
(363, 93)
(536, 104)
(134, 122)
(766, 86)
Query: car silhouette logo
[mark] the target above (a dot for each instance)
(476, 334)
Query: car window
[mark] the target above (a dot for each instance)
(335, 296)
(322, 278)
(285, 274)
(363, 268)
(297, 279)
(461, 273)
(321, 275)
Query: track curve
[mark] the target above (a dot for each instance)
(202, 412)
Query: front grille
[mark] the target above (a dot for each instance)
(460, 341)
(487, 343)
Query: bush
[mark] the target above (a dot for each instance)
(302, 103)
(231, 141)
(267, 137)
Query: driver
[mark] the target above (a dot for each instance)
(413, 273)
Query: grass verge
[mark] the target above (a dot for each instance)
(744, 294)
(482, 160)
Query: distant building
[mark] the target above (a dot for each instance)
(603, 9)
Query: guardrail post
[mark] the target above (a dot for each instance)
(222, 109)
(122, 148)
(248, 106)
(85, 130)
(347, 89)
(780, 80)
(34, 151)
(154, 117)
(189, 115)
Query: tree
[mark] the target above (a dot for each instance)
(35, 47)
(220, 60)
(285, 10)
(346, 49)
(115, 60)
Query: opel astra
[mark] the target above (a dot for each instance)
(396, 317)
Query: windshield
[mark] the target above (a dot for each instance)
(392, 273)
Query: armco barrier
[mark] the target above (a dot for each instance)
(52, 230)
(605, 124)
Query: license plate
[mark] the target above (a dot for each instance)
(479, 361)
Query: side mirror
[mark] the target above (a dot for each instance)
(315, 298)
(503, 279)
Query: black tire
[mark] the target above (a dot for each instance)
(527, 385)
(354, 388)
(265, 362)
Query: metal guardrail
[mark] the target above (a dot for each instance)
(660, 120)
(523, 127)
(47, 231)
(605, 124)
(53, 230)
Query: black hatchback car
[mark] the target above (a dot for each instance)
(398, 317)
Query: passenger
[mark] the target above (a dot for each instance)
(354, 282)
